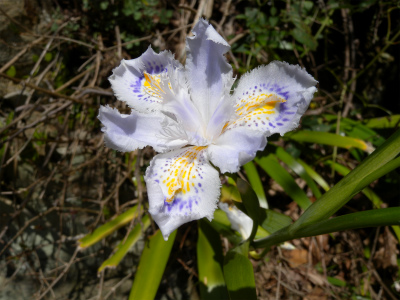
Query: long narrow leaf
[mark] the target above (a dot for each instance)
(239, 274)
(384, 122)
(256, 184)
(314, 175)
(346, 188)
(298, 169)
(250, 202)
(108, 228)
(370, 218)
(124, 246)
(151, 267)
(326, 138)
(210, 263)
(284, 179)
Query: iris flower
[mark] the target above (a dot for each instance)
(189, 115)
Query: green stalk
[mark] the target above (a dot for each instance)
(369, 218)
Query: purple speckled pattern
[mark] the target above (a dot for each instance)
(254, 108)
(130, 84)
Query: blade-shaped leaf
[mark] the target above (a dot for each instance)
(210, 263)
(250, 202)
(151, 266)
(239, 274)
(327, 138)
(314, 175)
(369, 218)
(255, 181)
(108, 228)
(124, 246)
(275, 221)
(284, 179)
(346, 188)
(298, 169)
(384, 122)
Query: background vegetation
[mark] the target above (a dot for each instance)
(58, 182)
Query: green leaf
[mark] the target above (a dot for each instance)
(239, 275)
(303, 37)
(124, 246)
(230, 192)
(48, 56)
(363, 219)
(338, 196)
(108, 228)
(284, 179)
(336, 281)
(384, 122)
(151, 266)
(275, 221)
(370, 194)
(250, 202)
(314, 175)
(369, 218)
(356, 129)
(298, 169)
(346, 188)
(255, 181)
(210, 263)
(11, 71)
(327, 138)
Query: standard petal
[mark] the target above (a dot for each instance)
(182, 186)
(235, 147)
(135, 131)
(136, 81)
(207, 71)
(272, 98)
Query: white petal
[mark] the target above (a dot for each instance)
(235, 147)
(137, 130)
(272, 98)
(130, 84)
(182, 186)
(239, 220)
(207, 71)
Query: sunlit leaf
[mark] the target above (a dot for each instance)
(123, 248)
(384, 122)
(210, 263)
(256, 184)
(275, 221)
(314, 175)
(327, 138)
(239, 275)
(251, 204)
(270, 165)
(151, 267)
(108, 228)
(346, 188)
(298, 169)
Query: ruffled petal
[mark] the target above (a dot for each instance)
(236, 147)
(135, 131)
(182, 186)
(272, 98)
(136, 81)
(207, 71)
